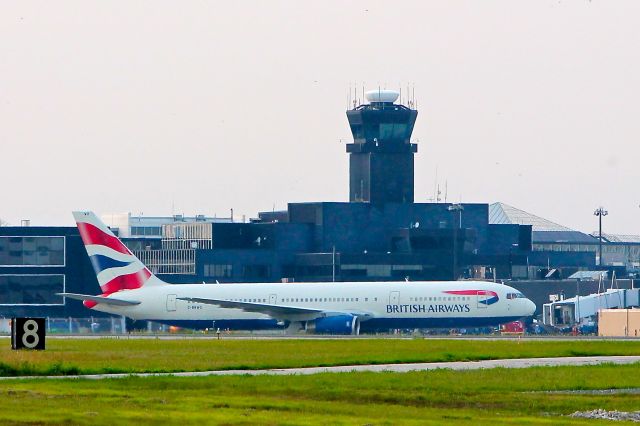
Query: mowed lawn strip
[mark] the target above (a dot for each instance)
(90, 356)
(497, 396)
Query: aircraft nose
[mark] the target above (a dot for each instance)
(531, 307)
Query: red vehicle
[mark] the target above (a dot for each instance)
(514, 327)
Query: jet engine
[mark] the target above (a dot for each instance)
(339, 324)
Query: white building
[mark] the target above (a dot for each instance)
(125, 225)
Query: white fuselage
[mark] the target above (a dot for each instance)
(379, 304)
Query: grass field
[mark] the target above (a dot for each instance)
(68, 356)
(495, 397)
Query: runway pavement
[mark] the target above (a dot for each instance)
(397, 368)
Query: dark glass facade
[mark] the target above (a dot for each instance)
(31, 251)
(32, 289)
(38, 262)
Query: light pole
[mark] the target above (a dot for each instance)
(456, 208)
(511, 259)
(600, 212)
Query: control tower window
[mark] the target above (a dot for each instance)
(357, 131)
(393, 130)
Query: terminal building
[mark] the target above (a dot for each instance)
(380, 234)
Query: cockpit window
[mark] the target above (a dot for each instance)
(515, 296)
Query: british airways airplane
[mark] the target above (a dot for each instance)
(130, 289)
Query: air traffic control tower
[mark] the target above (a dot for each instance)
(381, 155)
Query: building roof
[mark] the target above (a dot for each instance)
(501, 213)
(543, 230)
(588, 275)
(562, 237)
(618, 238)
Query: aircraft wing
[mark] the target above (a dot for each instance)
(100, 299)
(274, 311)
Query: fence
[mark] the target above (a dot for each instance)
(110, 325)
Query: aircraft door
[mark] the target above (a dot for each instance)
(273, 298)
(394, 298)
(171, 302)
(482, 297)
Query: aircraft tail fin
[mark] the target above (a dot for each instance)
(116, 268)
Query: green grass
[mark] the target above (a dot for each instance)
(496, 397)
(78, 356)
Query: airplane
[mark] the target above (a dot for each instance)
(130, 289)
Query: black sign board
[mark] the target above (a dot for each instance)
(27, 333)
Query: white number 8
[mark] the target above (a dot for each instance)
(30, 330)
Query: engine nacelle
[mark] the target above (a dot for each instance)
(339, 324)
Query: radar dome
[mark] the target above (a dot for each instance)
(387, 96)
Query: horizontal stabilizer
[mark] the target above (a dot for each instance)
(100, 299)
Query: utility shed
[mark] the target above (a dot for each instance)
(619, 322)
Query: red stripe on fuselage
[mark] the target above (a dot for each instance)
(93, 235)
(473, 292)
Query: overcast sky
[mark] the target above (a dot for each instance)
(200, 107)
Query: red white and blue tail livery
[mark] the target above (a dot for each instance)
(116, 268)
(128, 288)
